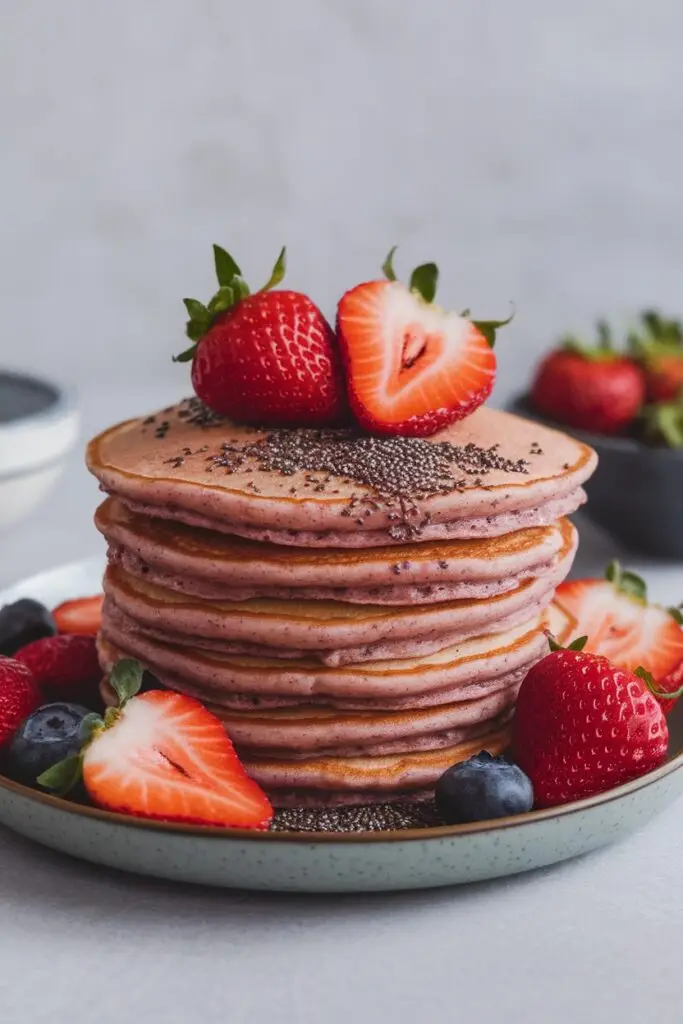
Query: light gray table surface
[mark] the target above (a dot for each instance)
(595, 940)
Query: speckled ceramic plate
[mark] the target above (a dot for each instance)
(331, 862)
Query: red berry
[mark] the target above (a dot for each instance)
(271, 360)
(83, 615)
(583, 726)
(411, 368)
(602, 393)
(619, 623)
(20, 696)
(167, 757)
(64, 666)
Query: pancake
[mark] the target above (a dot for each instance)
(470, 665)
(383, 650)
(109, 654)
(365, 779)
(206, 564)
(324, 625)
(297, 732)
(297, 484)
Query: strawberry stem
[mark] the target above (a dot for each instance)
(649, 681)
(388, 265)
(232, 288)
(575, 645)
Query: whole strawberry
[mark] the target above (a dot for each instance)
(269, 359)
(65, 666)
(583, 726)
(658, 347)
(590, 388)
(19, 697)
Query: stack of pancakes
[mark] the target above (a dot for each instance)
(358, 611)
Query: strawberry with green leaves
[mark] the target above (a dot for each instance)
(591, 388)
(268, 358)
(161, 755)
(411, 367)
(658, 348)
(583, 725)
(620, 624)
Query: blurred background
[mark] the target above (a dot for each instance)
(532, 149)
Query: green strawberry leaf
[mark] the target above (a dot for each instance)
(575, 645)
(226, 268)
(424, 279)
(91, 724)
(189, 353)
(489, 327)
(664, 422)
(222, 300)
(466, 314)
(198, 311)
(627, 583)
(388, 265)
(279, 271)
(604, 335)
(676, 614)
(61, 778)
(126, 679)
(651, 684)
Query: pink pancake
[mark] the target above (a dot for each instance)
(489, 464)
(320, 625)
(471, 663)
(110, 652)
(177, 555)
(468, 528)
(431, 593)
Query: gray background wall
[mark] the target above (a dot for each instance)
(532, 147)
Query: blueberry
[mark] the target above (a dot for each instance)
(22, 622)
(49, 735)
(483, 787)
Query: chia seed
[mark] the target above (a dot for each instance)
(375, 818)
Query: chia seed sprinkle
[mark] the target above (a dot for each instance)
(375, 818)
(193, 411)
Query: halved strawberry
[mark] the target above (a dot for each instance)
(620, 625)
(411, 367)
(162, 755)
(83, 615)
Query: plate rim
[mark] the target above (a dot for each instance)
(307, 838)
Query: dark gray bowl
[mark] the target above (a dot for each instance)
(636, 492)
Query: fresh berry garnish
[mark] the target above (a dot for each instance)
(412, 368)
(23, 621)
(658, 347)
(482, 787)
(615, 617)
(269, 359)
(162, 755)
(591, 388)
(583, 726)
(19, 697)
(50, 734)
(83, 615)
(65, 666)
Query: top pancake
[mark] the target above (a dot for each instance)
(184, 464)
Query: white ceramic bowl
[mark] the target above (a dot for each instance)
(38, 427)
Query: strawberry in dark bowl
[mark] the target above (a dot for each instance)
(604, 398)
(412, 368)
